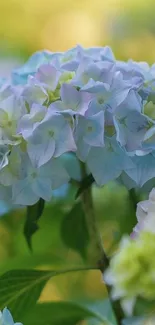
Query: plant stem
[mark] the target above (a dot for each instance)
(133, 198)
(97, 253)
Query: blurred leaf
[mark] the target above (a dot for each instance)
(60, 313)
(74, 230)
(139, 321)
(34, 212)
(133, 321)
(103, 308)
(31, 261)
(20, 289)
(48, 248)
(85, 183)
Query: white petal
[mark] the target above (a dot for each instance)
(41, 154)
(42, 188)
(23, 194)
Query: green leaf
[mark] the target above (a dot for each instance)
(59, 313)
(20, 289)
(139, 321)
(104, 309)
(144, 307)
(85, 183)
(74, 230)
(34, 212)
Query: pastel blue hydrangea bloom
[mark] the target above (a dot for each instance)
(149, 139)
(51, 138)
(107, 96)
(108, 163)
(100, 53)
(131, 125)
(143, 169)
(126, 181)
(48, 76)
(36, 183)
(11, 169)
(11, 110)
(7, 89)
(82, 101)
(6, 318)
(145, 214)
(97, 71)
(28, 121)
(2, 81)
(70, 59)
(72, 100)
(89, 132)
(34, 92)
(4, 153)
(20, 75)
(72, 165)
(133, 70)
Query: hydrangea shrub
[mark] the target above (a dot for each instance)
(84, 104)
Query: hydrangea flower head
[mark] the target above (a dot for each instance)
(81, 101)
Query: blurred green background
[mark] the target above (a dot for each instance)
(115, 215)
(126, 25)
(26, 26)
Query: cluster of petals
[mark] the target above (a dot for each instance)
(82, 102)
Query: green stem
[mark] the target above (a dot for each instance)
(96, 253)
(133, 198)
(96, 248)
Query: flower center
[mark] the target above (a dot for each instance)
(89, 128)
(149, 110)
(34, 174)
(9, 123)
(51, 133)
(100, 100)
